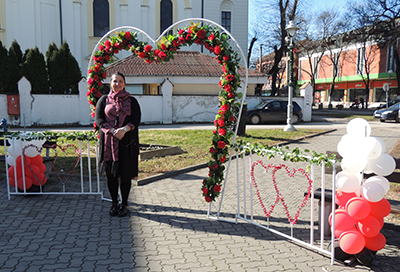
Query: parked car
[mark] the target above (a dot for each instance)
(391, 103)
(391, 113)
(273, 111)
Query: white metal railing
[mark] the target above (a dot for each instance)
(246, 199)
(54, 187)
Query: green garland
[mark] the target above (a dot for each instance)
(52, 136)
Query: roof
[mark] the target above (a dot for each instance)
(185, 63)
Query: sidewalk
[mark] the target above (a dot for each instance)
(167, 230)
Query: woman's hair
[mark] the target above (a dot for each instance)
(119, 74)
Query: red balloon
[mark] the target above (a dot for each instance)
(26, 160)
(358, 208)
(11, 172)
(381, 222)
(11, 181)
(375, 243)
(351, 242)
(37, 160)
(343, 222)
(40, 179)
(28, 183)
(42, 168)
(380, 209)
(35, 170)
(369, 226)
(342, 197)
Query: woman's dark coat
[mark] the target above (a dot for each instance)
(131, 138)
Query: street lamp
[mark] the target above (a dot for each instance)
(291, 31)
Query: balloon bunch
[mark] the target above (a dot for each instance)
(32, 172)
(362, 205)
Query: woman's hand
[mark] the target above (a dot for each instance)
(119, 133)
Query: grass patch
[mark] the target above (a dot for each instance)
(195, 142)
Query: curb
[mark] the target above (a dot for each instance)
(158, 177)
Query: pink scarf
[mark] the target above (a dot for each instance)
(118, 106)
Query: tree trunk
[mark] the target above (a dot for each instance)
(250, 50)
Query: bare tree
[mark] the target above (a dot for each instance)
(383, 17)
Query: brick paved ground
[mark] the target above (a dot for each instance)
(167, 230)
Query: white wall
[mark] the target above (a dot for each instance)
(74, 109)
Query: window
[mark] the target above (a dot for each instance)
(391, 64)
(165, 15)
(101, 17)
(361, 61)
(226, 20)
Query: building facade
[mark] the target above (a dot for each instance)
(82, 23)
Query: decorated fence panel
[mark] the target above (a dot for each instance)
(37, 165)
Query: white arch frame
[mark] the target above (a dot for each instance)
(244, 88)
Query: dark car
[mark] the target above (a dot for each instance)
(391, 103)
(391, 113)
(273, 111)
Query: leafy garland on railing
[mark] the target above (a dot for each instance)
(52, 136)
(213, 40)
(294, 155)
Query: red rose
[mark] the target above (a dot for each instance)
(217, 188)
(182, 39)
(221, 122)
(188, 37)
(224, 107)
(104, 75)
(156, 52)
(222, 159)
(107, 44)
(94, 125)
(147, 48)
(162, 55)
(163, 47)
(175, 43)
(198, 41)
(107, 57)
(211, 37)
(90, 81)
(221, 132)
(230, 77)
(228, 88)
(214, 131)
(98, 136)
(211, 49)
(116, 51)
(181, 31)
(91, 102)
(100, 83)
(201, 34)
(217, 50)
(97, 69)
(221, 144)
(99, 60)
(220, 83)
(101, 47)
(149, 61)
(205, 190)
(224, 69)
(96, 78)
(142, 55)
(93, 90)
(225, 57)
(128, 35)
(208, 199)
(93, 114)
(232, 118)
(88, 93)
(98, 94)
(212, 150)
(231, 95)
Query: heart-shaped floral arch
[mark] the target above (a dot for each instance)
(216, 40)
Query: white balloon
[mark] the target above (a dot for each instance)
(15, 149)
(31, 151)
(354, 164)
(347, 145)
(372, 147)
(382, 143)
(359, 127)
(347, 182)
(372, 191)
(381, 180)
(384, 165)
(10, 160)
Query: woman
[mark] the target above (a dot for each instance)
(118, 117)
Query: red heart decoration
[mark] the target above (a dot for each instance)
(279, 196)
(267, 213)
(54, 147)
